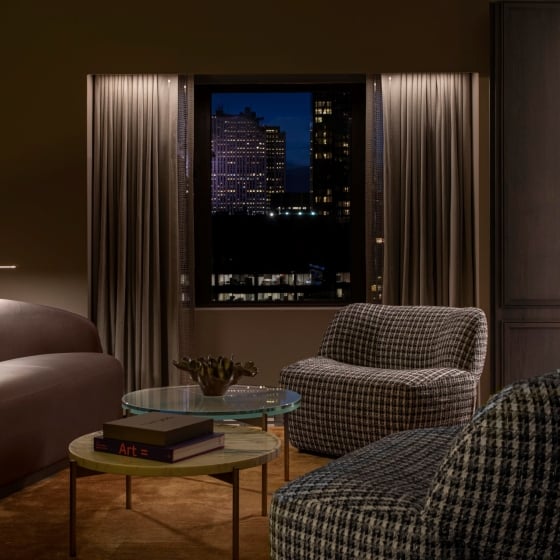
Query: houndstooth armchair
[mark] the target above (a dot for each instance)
(487, 490)
(382, 369)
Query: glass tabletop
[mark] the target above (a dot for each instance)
(240, 401)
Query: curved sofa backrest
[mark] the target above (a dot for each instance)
(497, 492)
(28, 329)
(407, 337)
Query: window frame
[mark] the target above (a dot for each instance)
(203, 89)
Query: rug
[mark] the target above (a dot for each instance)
(171, 518)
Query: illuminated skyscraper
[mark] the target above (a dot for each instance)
(331, 141)
(275, 161)
(248, 163)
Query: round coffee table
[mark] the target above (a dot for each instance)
(241, 402)
(245, 447)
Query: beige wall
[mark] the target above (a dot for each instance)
(271, 338)
(49, 49)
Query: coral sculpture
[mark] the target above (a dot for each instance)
(216, 375)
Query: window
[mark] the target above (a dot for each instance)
(279, 207)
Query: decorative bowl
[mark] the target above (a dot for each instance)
(215, 375)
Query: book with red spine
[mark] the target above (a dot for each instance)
(165, 453)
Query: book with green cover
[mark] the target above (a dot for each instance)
(158, 428)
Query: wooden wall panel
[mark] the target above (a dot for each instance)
(530, 349)
(526, 189)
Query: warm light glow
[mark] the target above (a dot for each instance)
(8, 266)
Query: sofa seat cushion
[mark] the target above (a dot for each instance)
(49, 399)
(348, 406)
(352, 507)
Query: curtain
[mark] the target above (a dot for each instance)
(134, 278)
(429, 253)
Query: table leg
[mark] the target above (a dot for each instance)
(233, 479)
(72, 518)
(128, 491)
(264, 475)
(264, 490)
(235, 515)
(286, 449)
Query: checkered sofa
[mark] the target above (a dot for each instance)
(382, 369)
(487, 490)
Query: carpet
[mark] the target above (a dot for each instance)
(171, 518)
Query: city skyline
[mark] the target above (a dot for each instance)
(299, 241)
(247, 174)
(292, 113)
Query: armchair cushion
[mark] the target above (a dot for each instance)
(407, 337)
(361, 505)
(497, 492)
(347, 406)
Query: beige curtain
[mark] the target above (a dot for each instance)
(429, 254)
(134, 224)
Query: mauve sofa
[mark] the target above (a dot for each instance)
(55, 384)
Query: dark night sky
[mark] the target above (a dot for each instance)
(290, 111)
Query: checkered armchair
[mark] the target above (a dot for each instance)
(487, 490)
(382, 369)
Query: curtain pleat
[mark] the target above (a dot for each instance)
(374, 227)
(134, 237)
(186, 220)
(429, 253)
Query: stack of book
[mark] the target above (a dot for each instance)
(159, 437)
